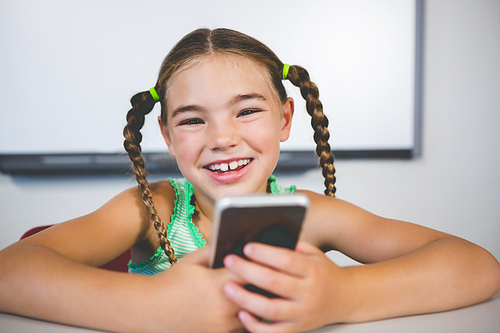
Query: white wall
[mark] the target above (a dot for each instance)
(454, 186)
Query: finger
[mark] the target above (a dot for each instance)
(282, 259)
(273, 309)
(307, 248)
(200, 256)
(266, 278)
(253, 324)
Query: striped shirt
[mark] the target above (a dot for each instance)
(183, 235)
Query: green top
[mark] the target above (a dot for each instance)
(183, 235)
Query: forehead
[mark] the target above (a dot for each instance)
(218, 76)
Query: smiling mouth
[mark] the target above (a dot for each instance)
(228, 167)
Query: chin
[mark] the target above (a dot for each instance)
(236, 190)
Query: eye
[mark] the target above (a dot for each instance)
(247, 112)
(191, 121)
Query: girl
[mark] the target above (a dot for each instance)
(224, 111)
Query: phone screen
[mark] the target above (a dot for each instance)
(273, 220)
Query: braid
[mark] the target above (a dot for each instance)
(205, 42)
(299, 77)
(142, 104)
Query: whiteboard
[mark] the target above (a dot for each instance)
(69, 68)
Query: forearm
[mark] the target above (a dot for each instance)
(40, 283)
(443, 275)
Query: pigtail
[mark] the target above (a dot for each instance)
(142, 104)
(299, 77)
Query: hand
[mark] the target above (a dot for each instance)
(195, 291)
(310, 285)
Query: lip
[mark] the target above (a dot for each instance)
(230, 176)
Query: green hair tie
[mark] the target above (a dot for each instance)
(286, 67)
(154, 94)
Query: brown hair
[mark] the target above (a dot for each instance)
(204, 42)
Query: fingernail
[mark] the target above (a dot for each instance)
(248, 249)
(243, 316)
(229, 289)
(228, 261)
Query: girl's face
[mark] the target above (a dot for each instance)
(225, 125)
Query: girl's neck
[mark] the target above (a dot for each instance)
(203, 215)
(205, 206)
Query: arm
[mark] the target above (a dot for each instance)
(80, 295)
(412, 270)
(50, 275)
(38, 282)
(42, 275)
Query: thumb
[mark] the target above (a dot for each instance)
(307, 248)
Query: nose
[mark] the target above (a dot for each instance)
(222, 136)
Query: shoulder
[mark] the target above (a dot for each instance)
(128, 208)
(334, 224)
(118, 225)
(130, 200)
(323, 205)
(331, 220)
(163, 195)
(320, 215)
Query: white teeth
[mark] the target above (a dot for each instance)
(226, 166)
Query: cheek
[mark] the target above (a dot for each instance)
(183, 138)
(265, 137)
(188, 146)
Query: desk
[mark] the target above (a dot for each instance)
(480, 318)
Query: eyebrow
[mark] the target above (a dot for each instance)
(186, 108)
(239, 98)
(236, 99)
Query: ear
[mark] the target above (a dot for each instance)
(166, 137)
(286, 120)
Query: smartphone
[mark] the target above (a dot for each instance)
(269, 219)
